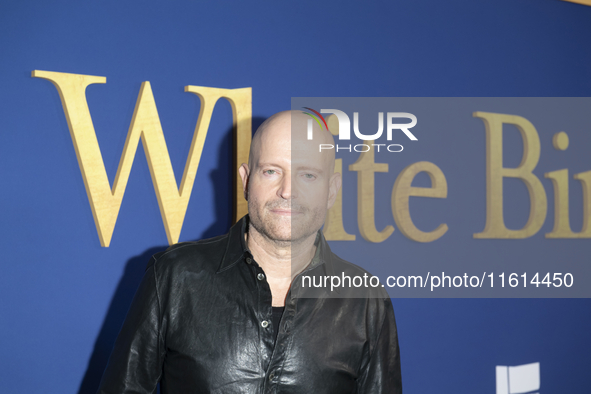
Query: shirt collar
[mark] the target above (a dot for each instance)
(237, 250)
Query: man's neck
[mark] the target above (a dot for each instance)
(281, 261)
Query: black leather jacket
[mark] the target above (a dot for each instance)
(200, 323)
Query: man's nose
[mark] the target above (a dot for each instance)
(285, 190)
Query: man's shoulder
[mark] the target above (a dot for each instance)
(204, 254)
(342, 265)
(355, 281)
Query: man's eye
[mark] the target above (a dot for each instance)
(270, 172)
(309, 176)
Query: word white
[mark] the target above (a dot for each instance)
(339, 281)
(363, 146)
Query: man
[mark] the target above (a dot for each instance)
(231, 315)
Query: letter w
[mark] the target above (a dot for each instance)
(145, 125)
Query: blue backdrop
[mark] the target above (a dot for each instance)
(63, 297)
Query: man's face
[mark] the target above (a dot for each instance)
(290, 186)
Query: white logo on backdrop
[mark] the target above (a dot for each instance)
(519, 379)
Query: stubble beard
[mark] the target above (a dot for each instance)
(283, 230)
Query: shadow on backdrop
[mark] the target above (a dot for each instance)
(222, 183)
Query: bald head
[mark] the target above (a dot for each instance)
(290, 128)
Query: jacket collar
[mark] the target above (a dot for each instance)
(237, 250)
(323, 257)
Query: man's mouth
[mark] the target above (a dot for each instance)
(285, 212)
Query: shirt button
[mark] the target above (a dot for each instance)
(261, 276)
(248, 260)
(265, 324)
(271, 375)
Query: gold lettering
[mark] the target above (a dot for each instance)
(585, 178)
(145, 125)
(562, 227)
(241, 102)
(333, 226)
(334, 230)
(584, 2)
(401, 192)
(495, 172)
(365, 167)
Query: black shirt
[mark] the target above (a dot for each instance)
(277, 312)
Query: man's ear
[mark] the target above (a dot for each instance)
(244, 172)
(334, 185)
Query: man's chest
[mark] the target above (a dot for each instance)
(223, 341)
